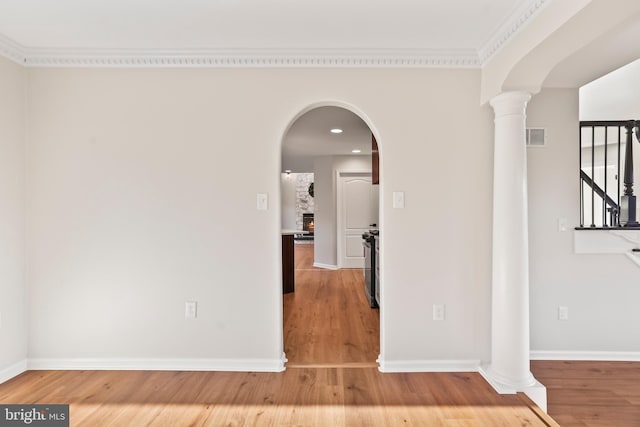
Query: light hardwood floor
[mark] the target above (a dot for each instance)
(591, 394)
(297, 397)
(327, 321)
(346, 389)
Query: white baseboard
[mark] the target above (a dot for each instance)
(13, 371)
(325, 266)
(238, 365)
(600, 356)
(429, 365)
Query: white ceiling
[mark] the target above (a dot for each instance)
(183, 26)
(310, 136)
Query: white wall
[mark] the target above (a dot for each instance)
(601, 291)
(141, 196)
(614, 96)
(13, 311)
(326, 234)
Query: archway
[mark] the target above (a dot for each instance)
(321, 145)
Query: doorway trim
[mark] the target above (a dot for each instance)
(357, 111)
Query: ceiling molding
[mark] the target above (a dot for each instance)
(274, 58)
(11, 50)
(254, 59)
(518, 20)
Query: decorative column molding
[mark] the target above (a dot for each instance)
(509, 370)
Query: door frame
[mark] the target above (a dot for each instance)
(339, 211)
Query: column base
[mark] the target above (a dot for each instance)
(530, 386)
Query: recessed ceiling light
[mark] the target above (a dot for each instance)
(356, 151)
(336, 130)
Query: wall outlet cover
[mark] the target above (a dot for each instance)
(563, 313)
(438, 311)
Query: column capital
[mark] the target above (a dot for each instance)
(510, 103)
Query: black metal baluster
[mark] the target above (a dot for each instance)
(604, 199)
(581, 182)
(593, 176)
(618, 173)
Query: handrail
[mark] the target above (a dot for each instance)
(599, 191)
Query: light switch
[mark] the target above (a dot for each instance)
(563, 313)
(262, 201)
(398, 199)
(562, 224)
(191, 309)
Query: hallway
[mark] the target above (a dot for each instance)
(327, 321)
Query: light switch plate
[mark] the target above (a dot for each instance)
(398, 199)
(562, 224)
(438, 311)
(262, 201)
(191, 309)
(563, 313)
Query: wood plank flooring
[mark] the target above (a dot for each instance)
(296, 397)
(327, 321)
(591, 394)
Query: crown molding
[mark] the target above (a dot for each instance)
(518, 20)
(273, 58)
(11, 50)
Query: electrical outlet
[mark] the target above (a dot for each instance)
(190, 310)
(438, 311)
(563, 313)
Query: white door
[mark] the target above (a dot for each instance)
(357, 210)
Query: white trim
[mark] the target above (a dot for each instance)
(599, 356)
(634, 257)
(238, 365)
(13, 371)
(12, 50)
(428, 365)
(516, 22)
(601, 241)
(240, 58)
(325, 266)
(270, 58)
(617, 241)
(536, 391)
(497, 385)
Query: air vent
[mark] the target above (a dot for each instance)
(536, 137)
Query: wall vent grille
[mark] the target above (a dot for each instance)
(536, 137)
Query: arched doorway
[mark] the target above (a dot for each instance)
(327, 317)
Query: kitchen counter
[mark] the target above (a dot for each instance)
(288, 260)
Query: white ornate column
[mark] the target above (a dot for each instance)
(509, 371)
